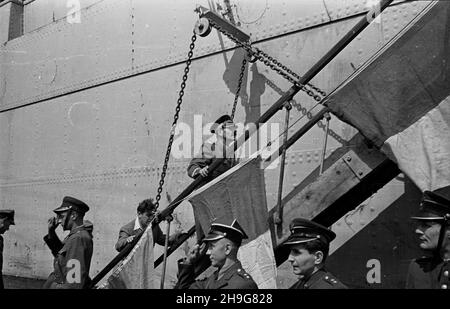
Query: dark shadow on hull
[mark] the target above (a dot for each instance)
(389, 238)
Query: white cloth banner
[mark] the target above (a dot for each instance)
(257, 258)
(136, 271)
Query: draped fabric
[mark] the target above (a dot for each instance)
(136, 271)
(400, 99)
(240, 194)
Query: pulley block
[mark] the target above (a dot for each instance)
(202, 27)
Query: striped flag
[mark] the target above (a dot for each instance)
(240, 194)
(400, 99)
(136, 271)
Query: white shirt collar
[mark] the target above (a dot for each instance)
(137, 225)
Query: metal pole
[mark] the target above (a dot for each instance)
(325, 138)
(302, 131)
(166, 245)
(175, 245)
(442, 231)
(279, 218)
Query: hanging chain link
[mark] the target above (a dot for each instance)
(175, 118)
(275, 65)
(238, 90)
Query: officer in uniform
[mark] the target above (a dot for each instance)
(432, 270)
(223, 243)
(73, 255)
(224, 130)
(309, 245)
(6, 219)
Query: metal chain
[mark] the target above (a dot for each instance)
(289, 71)
(238, 90)
(175, 118)
(274, 64)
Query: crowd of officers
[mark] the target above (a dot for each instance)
(308, 243)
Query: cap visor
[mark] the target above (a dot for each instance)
(298, 241)
(428, 218)
(213, 237)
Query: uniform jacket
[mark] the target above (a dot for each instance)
(78, 245)
(428, 273)
(129, 229)
(234, 278)
(210, 151)
(321, 279)
(1, 263)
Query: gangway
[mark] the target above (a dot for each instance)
(349, 172)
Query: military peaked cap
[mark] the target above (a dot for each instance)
(303, 230)
(233, 232)
(71, 203)
(434, 206)
(220, 120)
(7, 213)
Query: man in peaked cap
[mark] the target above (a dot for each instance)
(6, 219)
(224, 129)
(73, 255)
(433, 230)
(222, 241)
(309, 244)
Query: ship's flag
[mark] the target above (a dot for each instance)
(240, 194)
(400, 99)
(136, 271)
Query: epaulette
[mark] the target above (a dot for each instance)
(330, 279)
(203, 279)
(428, 263)
(243, 274)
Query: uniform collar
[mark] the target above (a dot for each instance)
(220, 145)
(308, 282)
(228, 273)
(223, 281)
(316, 276)
(77, 229)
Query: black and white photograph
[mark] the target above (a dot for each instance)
(247, 146)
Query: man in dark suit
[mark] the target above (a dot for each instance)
(73, 255)
(309, 244)
(223, 242)
(6, 219)
(432, 270)
(146, 211)
(224, 130)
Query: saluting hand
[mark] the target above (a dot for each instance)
(194, 254)
(52, 224)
